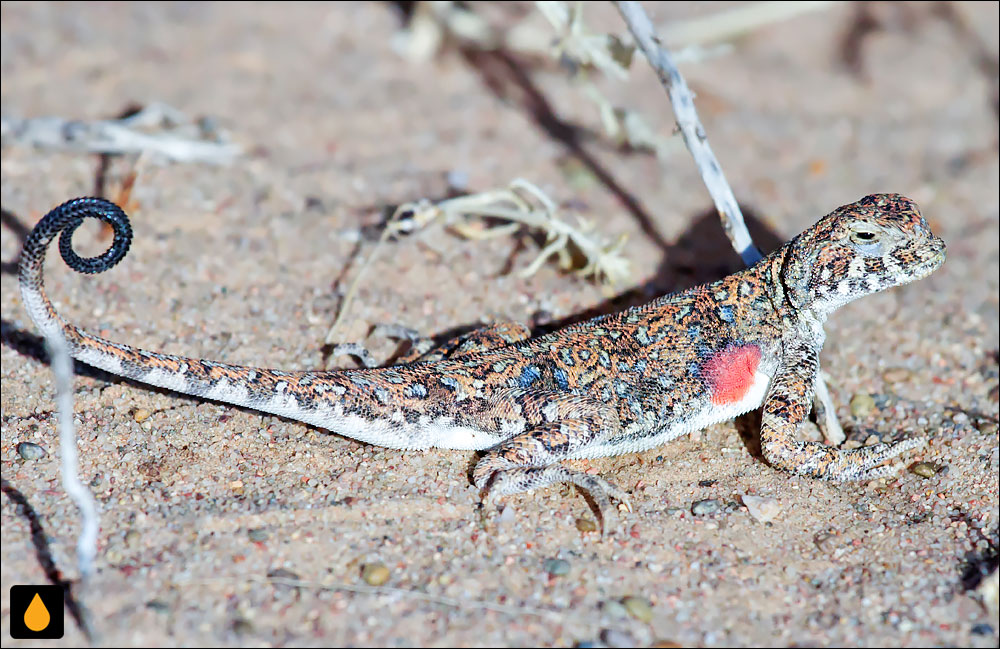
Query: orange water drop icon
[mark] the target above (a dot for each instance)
(36, 617)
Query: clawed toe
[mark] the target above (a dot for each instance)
(884, 462)
(521, 479)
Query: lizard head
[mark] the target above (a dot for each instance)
(878, 242)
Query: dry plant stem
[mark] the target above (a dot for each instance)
(113, 137)
(345, 305)
(711, 172)
(731, 23)
(691, 129)
(86, 545)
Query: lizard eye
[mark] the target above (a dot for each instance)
(864, 237)
(867, 241)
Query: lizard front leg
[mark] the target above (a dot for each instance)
(787, 405)
(557, 426)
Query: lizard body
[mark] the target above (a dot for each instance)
(619, 383)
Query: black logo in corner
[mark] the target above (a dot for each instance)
(37, 612)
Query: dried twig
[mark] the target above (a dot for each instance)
(86, 545)
(523, 203)
(734, 22)
(119, 136)
(693, 132)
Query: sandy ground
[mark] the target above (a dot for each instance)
(201, 502)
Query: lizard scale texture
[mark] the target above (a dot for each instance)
(616, 384)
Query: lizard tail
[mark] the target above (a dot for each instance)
(390, 407)
(64, 220)
(243, 386)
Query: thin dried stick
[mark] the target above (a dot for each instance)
(117, 136)
(345, 304)
(86, 545)
(691, 129)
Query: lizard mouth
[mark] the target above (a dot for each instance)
(933, 260)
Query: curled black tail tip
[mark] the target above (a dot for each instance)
(66, 218)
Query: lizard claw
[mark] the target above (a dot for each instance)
(519, 479)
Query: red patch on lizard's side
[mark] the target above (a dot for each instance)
(730, 372)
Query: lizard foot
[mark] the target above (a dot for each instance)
(502, 482)
(819, 461)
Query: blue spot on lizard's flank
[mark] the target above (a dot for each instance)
(561, 379)
(529, 376)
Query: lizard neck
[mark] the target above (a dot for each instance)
(793, 296)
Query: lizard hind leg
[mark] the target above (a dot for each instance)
(529, 461)
(485, 338)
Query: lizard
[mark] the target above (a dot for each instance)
(616, 384)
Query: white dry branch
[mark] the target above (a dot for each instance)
(523, 203)
(731, 23)
(711, 172)
(691, 129)
(86, 545)
(178, 140)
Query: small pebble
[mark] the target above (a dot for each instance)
(925, 469)
(241, 626)
(140, 415)
(458, 180)
(986, 427)
(257, 534)
(981, 629)
(557, 567)
(158, 605)
(826, 542)
(705, 507)
(29, 451)
(615, 609)
(375, 574)
(614, 638)
(897, 375)
(862, 404)
(762, 509)
(281, 573)
(506, 517)
(638, 608)
(586, 525)
(988, 591)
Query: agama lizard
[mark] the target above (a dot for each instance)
(616, 384)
